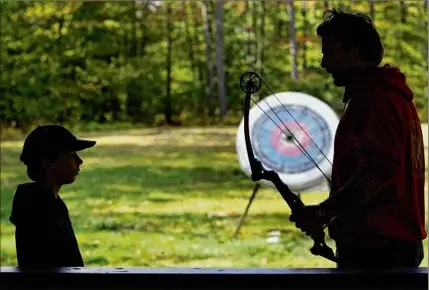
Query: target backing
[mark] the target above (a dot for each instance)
(277, 123)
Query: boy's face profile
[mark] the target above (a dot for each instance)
(65, 168)
(49, 152)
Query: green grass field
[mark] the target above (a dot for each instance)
(168, 198)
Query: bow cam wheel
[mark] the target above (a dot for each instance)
(250, 79)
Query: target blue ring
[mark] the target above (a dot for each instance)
(317, 129)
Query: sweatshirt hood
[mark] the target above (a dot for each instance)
(391, 78)
(27, 202)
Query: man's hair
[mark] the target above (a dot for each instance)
(353, 29)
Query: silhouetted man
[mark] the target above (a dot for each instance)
(376, 208)
(44, 233)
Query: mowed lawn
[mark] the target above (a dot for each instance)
(168, 198)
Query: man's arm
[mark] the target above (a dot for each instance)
(378, 144)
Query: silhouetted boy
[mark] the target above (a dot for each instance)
(44, 233)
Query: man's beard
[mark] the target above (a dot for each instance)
(343, 78)
(339, 80)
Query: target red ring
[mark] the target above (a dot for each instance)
(290, 139)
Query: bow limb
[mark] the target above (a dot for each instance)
(258, 172)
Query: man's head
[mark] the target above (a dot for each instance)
(50, 153)
(349, 42)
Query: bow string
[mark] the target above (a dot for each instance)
(250, 83)
(253, 80)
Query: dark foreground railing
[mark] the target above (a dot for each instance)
(211, 278)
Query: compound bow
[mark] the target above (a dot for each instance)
(250, 83)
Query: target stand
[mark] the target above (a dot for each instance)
(291, 133)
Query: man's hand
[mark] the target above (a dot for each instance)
(309, 219)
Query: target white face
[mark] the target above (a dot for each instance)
(307, 121)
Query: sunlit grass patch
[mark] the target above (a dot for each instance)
(168, 197)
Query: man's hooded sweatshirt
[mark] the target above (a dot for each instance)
(379, 139)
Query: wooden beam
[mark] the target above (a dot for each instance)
(211, 278)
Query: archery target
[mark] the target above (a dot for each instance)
(276, 132)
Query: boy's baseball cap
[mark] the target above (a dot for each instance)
(48, 139)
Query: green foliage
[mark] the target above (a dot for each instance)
(105, 62)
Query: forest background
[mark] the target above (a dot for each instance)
(144, 63)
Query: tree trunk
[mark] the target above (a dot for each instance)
(63, 115)
(261, 42)
(219, 58)
(167, 108)
(139, 16)
(249, 30)
(403, 9)
(255, 39)
(209, 62)
(190, 43)
(304, 41)
(133, 14)
(326, 4)
(371, 10)
(292, 40)
(195, 40)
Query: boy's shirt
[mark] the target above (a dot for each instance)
(44, 233)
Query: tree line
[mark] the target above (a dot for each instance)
(179, 62)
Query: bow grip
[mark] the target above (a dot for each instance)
(258, 171)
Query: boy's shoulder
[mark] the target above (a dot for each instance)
(27, 189)
(28, 202)
(29, 192)
(27, 186)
